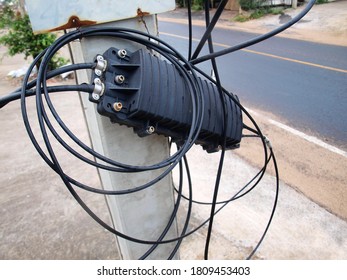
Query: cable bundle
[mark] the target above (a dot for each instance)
(189, 71)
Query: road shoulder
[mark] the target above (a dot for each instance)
(312, 170)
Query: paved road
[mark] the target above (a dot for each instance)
(303, 83)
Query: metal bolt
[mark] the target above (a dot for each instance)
(150, 129)
(122, 53)
(119, 79)
(117, 106)
(96, 96)
(97, 81)
(98, 72)
(99, 57)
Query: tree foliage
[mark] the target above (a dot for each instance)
(18, 37)
(251, 4)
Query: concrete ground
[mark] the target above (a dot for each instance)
(40, 219)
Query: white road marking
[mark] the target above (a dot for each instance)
(309, 138)
(265, 54)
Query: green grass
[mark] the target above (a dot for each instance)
(258, 13)
(241, 18)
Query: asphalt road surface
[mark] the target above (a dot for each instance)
(302, 83)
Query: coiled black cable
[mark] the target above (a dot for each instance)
(188, 69)
(52, 159)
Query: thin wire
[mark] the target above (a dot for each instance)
(189, 210)
(190, 30)
(273, 208)
(237, 196)
(225, 125)
(171, 220)
(239, 193)
(209, 28)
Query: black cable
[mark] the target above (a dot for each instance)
(15, 95)
(57, 168)
(54, 163)
(190, 29)
(237, 196)
(239, 193)
(173, 158)
(108, 168)
(261, 173)
(124, 165)
(250, 129)
(171, 220)
(189, 210)
(225, 125)
(209, 28)
(273, 208)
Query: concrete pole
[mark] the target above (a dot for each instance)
(294, 4)
(142, 215)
